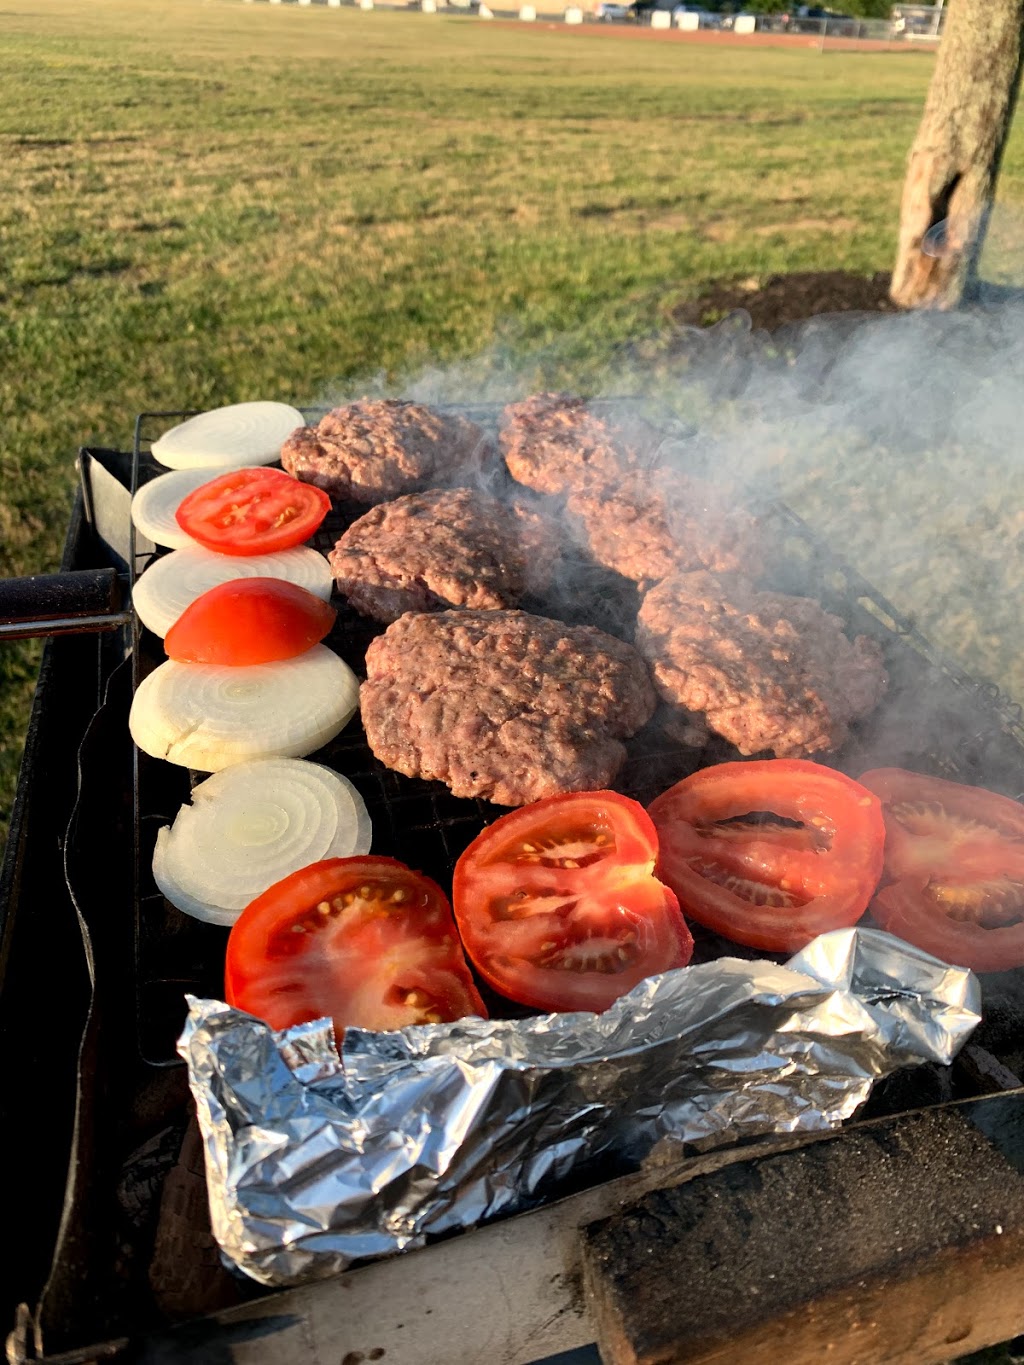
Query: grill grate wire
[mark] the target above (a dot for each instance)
(936, 719)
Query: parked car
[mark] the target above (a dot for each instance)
(611, 13)
(817, 19)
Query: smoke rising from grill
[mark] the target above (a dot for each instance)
(896, 438)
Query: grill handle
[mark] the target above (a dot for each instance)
(80, 602)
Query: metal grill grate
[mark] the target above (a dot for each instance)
(936, 719)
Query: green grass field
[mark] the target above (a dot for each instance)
(207, 202)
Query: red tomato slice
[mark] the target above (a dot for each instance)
(252, 512)
(249, 621)
(954, 865)
(807, 863)
(365, 940)
(558, 905)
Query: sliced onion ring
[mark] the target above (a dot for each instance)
(251, 825)
(210, 716)
(172, 583)
(224, 438)
(154, 506)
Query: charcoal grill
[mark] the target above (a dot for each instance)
(124, 960)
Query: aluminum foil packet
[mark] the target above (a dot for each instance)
(315, 1160)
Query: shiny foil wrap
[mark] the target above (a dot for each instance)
(315, 1161)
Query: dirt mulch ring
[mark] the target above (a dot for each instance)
(783, 300)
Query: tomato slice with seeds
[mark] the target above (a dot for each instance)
(558, 905)
(954, 869)
(770, 853)
(249, 621)
(252, 512)
(365, 940)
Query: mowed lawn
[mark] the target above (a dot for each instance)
(207, 202)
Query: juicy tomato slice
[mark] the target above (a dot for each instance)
(252, 512)
(365, 940)
(558, 905)
(770, 853)
(249, 621)
(954, 869)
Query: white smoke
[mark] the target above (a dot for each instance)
(899, 439)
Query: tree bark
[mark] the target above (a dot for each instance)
(955, 158)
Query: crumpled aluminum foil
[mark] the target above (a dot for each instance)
(315, 1161)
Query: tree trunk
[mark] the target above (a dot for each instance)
(955, 158)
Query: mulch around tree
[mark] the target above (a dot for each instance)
(784, 300)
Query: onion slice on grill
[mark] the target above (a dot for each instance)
(172, 583)
(224, 438)
(154, 506)
(209, 716)
(251, 825)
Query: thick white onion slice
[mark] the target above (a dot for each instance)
(174, 582)
(154, 506)
(226, 438)
(251, 825)
(209, 716)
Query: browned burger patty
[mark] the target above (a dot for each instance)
(650, 525)
(555, 443)
(380, 448)
(503, 705)
(444, 548)
(767, 671)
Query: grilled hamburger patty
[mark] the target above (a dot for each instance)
(444, 548)
(766, 670)
(652, 524)
(501, 704)
(555, 443)
(379, 448)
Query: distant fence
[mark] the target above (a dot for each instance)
(879, 30)
(687, 19)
